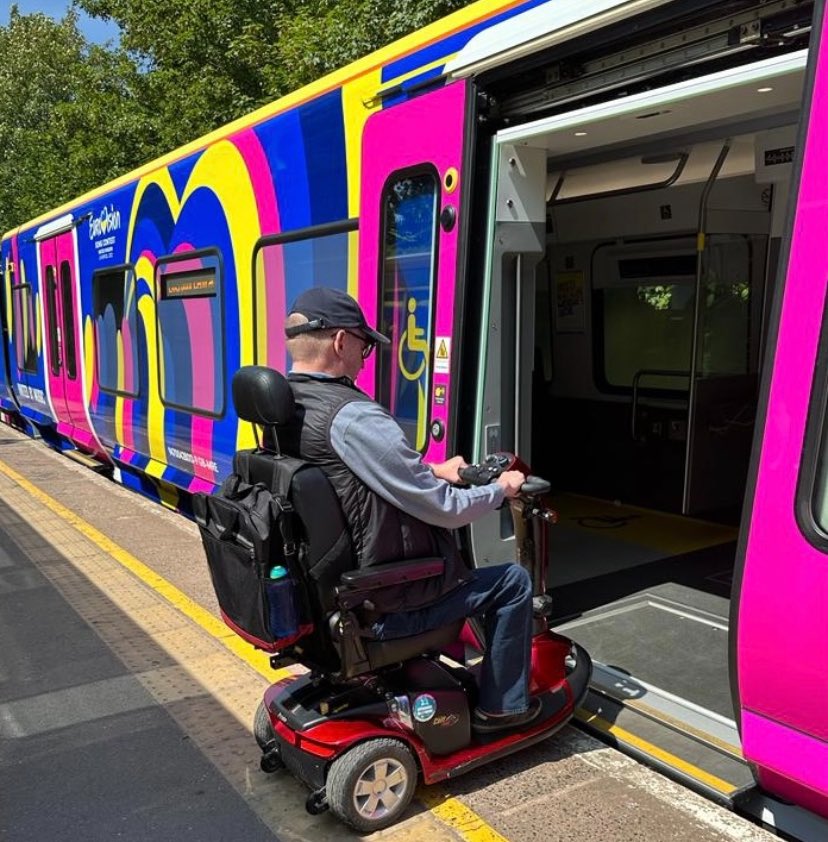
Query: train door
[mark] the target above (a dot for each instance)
(60, 344)
(724, 364)
(8, 301)
(63, 345)
(412, 183)
(780, 595)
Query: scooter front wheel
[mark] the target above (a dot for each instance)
(371, 785)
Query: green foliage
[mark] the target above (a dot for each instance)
(210, 61)
(205, 62)
(319, 36)
(73, 116)
(69, 117)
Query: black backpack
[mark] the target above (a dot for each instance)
(247, 530)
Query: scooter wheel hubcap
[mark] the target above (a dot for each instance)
(380, 788)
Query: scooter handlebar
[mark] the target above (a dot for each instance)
(485, 472)
(535, 486)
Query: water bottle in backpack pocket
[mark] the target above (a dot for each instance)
(281, 603)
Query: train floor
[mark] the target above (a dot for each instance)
(647, 594)
(126, 706)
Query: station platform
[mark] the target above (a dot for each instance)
(126, 705)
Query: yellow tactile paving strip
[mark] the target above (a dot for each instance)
(207, 679)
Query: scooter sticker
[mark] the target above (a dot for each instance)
(425, 707)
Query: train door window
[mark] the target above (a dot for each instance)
(52, 312)
(114, 314)
(24, 323)
(70, 357)
(287, 264)
(191, 332)
(410, 203)
(726, 335)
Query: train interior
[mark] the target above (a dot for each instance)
(632, 332)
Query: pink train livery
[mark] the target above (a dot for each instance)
(595, 232)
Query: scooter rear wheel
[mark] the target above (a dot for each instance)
(371, 785)
(262, 729)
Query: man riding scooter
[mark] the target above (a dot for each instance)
(397, 507)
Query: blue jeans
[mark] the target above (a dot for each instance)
(503, 595)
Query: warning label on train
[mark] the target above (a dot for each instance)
(442, 355)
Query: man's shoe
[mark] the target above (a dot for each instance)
(488, 723)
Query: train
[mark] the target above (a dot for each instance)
(594, 232)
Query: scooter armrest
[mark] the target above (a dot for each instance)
(393, 573)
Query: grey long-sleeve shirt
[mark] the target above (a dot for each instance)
(374, 447)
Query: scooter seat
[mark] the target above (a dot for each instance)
(381, 653)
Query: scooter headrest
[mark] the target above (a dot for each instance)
(262, 396)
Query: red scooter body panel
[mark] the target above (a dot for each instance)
(331, 738)
(549, 652)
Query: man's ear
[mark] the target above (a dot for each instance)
(339, 343)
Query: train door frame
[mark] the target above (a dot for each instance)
(62, 318)
(517, 215)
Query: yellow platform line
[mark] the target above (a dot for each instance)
(450, 811)
(461, 819)
(151, 579)
(671, 760)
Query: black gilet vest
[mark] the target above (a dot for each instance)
(380, 532)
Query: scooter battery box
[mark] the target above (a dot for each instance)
(441, 719)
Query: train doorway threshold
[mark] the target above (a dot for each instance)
(660, 686)
(660, 692)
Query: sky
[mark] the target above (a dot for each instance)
(94, 30)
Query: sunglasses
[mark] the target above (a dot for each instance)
(367, 344)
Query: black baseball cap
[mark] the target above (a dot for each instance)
(326, 308)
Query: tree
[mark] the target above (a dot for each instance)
(68, 115)
(211, 61)
(319, 36)
(205, 62)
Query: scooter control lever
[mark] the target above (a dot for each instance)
(542, 605)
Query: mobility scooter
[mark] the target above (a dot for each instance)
(371, 716)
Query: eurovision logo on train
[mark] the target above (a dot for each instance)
(102, 226)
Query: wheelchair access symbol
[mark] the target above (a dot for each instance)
(604, 521)
(413, 341)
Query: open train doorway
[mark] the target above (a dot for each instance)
(633, 256)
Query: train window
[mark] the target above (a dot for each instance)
(645, 315)
(191, 342)
(24, 323)
(648, 326)
(114, 315)
(287, 264)
(410, 207)
(52, 313)
(70, 356)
